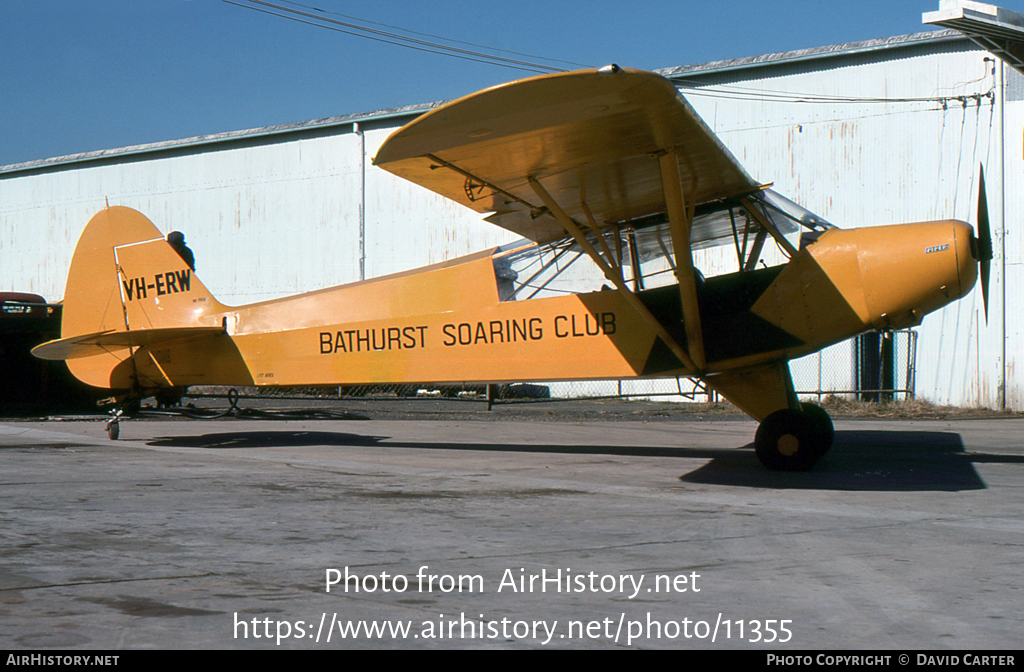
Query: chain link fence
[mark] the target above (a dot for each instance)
(876, 366)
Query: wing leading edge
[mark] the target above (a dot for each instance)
(593, 138)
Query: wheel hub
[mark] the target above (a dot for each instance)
(788, 444)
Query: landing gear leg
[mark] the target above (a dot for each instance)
(789, 440)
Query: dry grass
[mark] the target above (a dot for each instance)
(839, 407)
(907, 409)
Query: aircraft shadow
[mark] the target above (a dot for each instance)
(858, 460)
(289, 439)
(267, 439)
(868, 460)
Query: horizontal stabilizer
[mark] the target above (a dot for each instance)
(89, 345)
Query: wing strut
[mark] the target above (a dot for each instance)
(632, 299)
(768, 226)
(755, 251)
(613, 262)
(680, 218)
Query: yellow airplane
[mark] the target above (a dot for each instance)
(611, 164)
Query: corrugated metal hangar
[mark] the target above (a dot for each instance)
(871, 133)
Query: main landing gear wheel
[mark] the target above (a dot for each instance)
(790, 440)
(821, 417)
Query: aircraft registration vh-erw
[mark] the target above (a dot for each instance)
(611, 164)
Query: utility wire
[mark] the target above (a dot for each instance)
(437, 37)
(939, 100)
(768, 95)
(430, 46)
(391, 38)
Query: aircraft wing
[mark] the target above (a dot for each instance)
(590, 137)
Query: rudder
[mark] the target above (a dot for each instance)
(125, 277)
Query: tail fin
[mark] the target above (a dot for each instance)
(127, 287)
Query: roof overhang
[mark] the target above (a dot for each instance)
(997, 30)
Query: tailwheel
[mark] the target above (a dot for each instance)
(113, 424)
(789, 440)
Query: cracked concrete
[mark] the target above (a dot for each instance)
(907, 535)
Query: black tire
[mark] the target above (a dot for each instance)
(789, 441)
(823, 421)
(114, 430)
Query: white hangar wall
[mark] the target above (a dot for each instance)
(266, 216)
(867, 134)
(891, 133)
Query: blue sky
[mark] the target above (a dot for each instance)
(83, 75)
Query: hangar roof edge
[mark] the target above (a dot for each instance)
(215, 138)
(813, 53)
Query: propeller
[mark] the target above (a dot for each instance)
(982, 245)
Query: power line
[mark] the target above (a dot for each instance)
(432, 46)
(391, 38)
(438, 37)
(768, 95)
